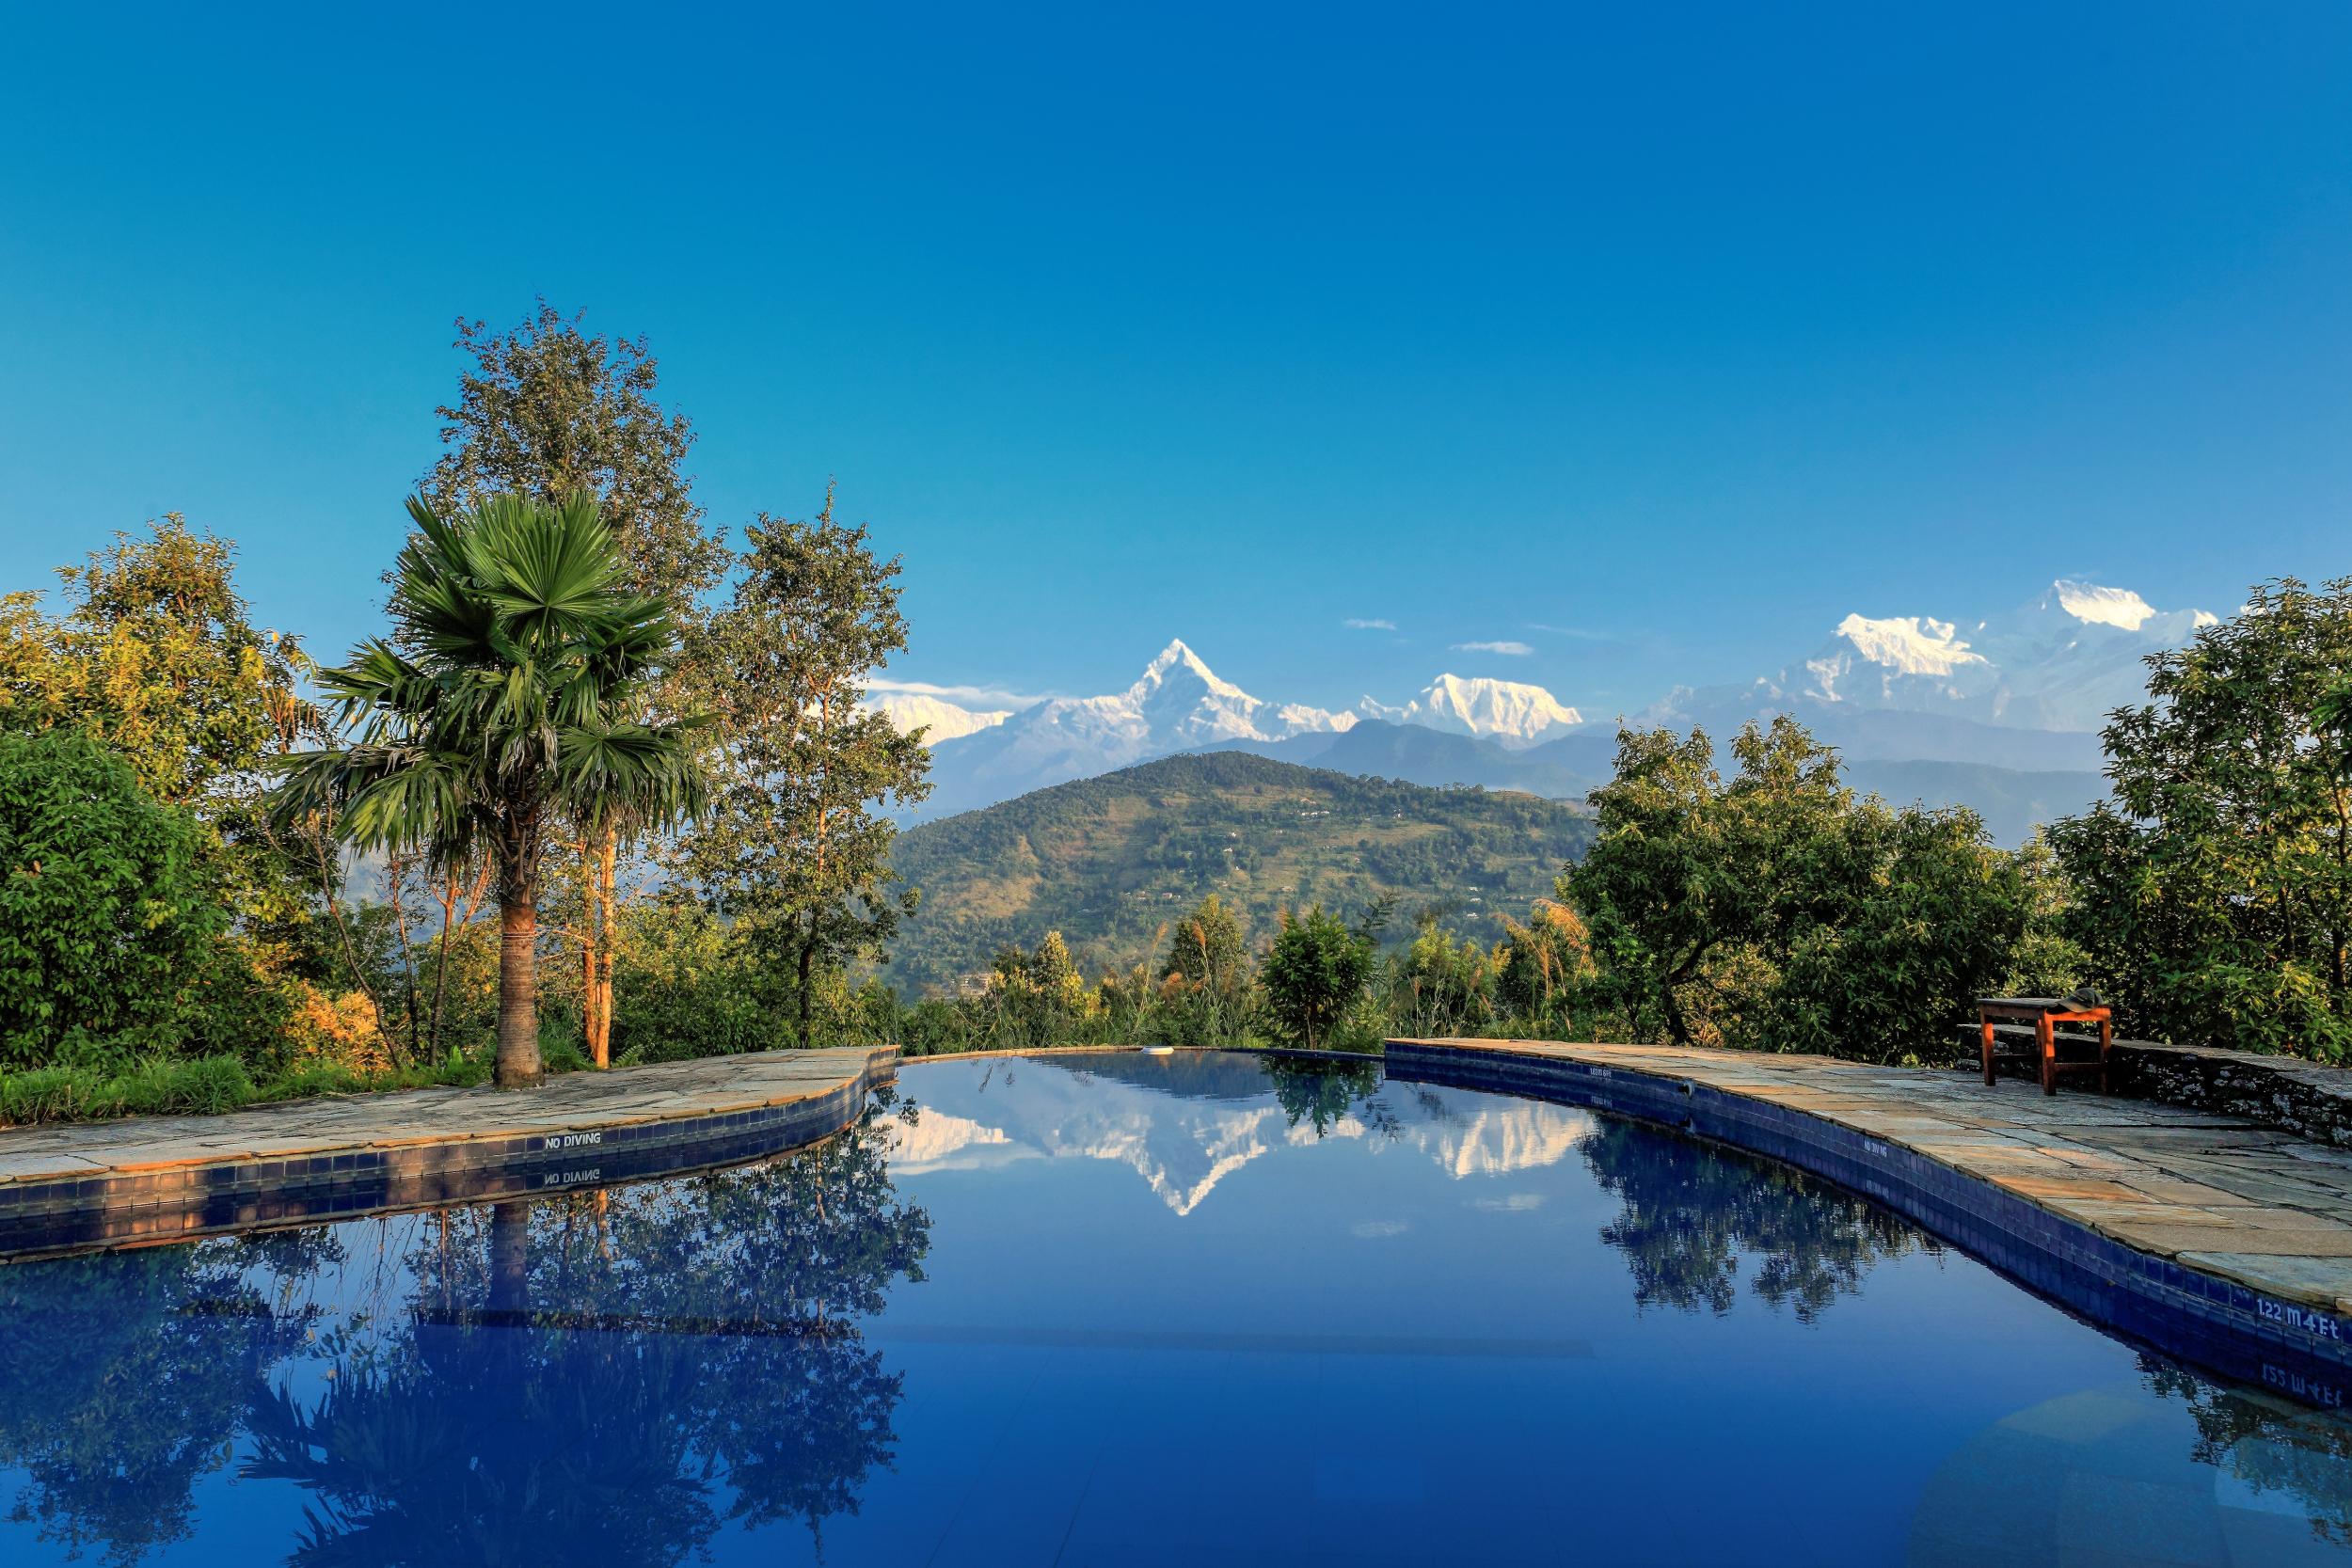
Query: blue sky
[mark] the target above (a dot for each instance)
(1654, 339)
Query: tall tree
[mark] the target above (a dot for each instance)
(797, 848)
(549, 410)
(2213, 887)
(513, 699)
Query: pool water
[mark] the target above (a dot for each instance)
(1114, 1308)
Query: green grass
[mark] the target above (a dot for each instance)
(203, 1086)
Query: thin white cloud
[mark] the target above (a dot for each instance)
(1517, 650)
(984, 696)
(1357, 624)
(1584, 634)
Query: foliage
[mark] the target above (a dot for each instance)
(158, 660)
(2213, 890)
(548, 411)
(1547, 963)
(1314, 974)
(1778, 911)
(521, 702)
(107, 928)
(1441, 986)
(1111, 861)
(796, 852)
(688, 988)
(1203, 993)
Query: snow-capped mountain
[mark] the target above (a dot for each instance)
(937, 718)
(1185, 1124)
(2060, 663)
(1510, 712)
(1178, 704)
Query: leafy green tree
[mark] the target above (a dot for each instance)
(519, 707)
(156, 656)
(549, 411)
(2213, 890)
(1313, 972)
(1883, 967)
(1675, 879)
(1778, 911)
(797, 848)
(106, 923)
(158, 659)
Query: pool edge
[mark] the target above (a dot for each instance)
(2289, 1347)
(154, 1203)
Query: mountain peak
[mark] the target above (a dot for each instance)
(2096, 606)
(1512, 712)
(1912, 644)
(1178, 655)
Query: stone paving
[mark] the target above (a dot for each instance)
(2218, 1193)
(337, 1124)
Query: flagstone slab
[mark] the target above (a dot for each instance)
(105, 1183)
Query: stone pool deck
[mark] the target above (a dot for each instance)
(158, 1178)
(2129, 1210)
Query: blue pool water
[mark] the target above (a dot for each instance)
(1131, 1309)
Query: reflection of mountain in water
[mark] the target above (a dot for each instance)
(1186, 1122)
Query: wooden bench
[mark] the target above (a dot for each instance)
(2045, 1013)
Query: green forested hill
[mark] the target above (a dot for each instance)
(1110, 861)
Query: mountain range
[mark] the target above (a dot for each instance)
(2001, 713)
(1183, 1124)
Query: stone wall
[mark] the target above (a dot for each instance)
(2300, 1097)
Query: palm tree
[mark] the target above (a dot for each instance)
(511, 698)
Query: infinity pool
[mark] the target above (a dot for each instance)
(1115, 1308)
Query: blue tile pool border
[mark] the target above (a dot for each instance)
(44, 1216)
(2181, 1312)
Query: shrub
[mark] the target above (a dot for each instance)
(107, 929)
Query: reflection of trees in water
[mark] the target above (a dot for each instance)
(2269, 1444)
(601, 1377)
(1323, 1094)
(1692, 1212)
(122, 1379)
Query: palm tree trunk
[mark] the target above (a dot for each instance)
(510, 1258)
(518, 990)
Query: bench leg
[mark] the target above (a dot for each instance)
(2106, 1042)
(2049, 1056)
(1988, 1051)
